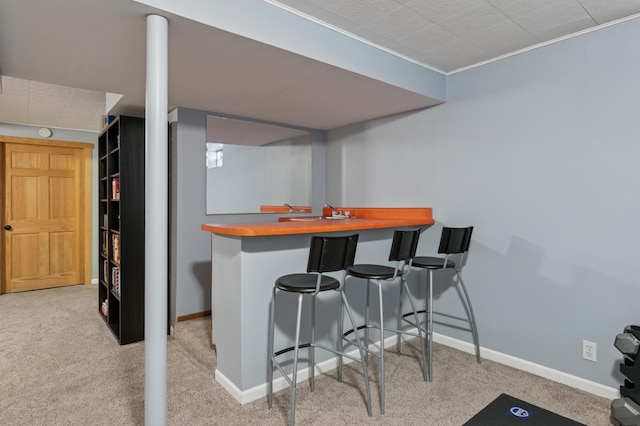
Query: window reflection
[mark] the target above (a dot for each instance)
(214, 155)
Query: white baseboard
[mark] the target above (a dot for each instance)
(530, 367)
(240, 396)
(260, 391)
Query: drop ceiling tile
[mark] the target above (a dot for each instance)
(46, 101)
(13, 86)
(564, 29)
(486, 27)
(398, 23)
(83, 110)
(439, 11)
(14, 105)
(41, 104)
(552, 18)
(361, 11)
(503, 37)
(438, 47)
(428, 38)
(474, 20)
(610, 10)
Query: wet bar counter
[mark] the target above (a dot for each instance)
(360, 219)
(246, 258)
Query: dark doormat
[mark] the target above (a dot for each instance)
(506, 410)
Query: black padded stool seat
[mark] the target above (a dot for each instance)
(428, 262)
(326, 254)
(373, 272)
(306, 283)
(403, 249)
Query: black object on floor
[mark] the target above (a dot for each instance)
(506, 410)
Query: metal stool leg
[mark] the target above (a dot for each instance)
(270, 343)
(474, 327)
(430, 323)
(367, 340)
(381, 348)
(414, 311)
(361, 350)
(399, 323)
(312, 348)
(294, 384)
(366, 322)
(340, 337)
(425, 376)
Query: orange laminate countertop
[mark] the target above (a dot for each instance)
(361, 218)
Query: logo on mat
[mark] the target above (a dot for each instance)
(519, 412)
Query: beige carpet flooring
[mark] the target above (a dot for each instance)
(60, 365)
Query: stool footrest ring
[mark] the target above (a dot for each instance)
(291, 348)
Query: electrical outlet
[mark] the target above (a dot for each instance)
(589, 350)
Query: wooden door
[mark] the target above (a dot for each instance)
(44, 233)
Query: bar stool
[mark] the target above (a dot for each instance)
(326, 254)
(403, 249)
(453, 241)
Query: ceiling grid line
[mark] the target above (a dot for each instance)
(587, 12)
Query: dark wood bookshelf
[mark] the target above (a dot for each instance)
(121, 157)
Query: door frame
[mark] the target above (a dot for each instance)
(85, 204)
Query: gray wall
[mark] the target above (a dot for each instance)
(190, 247)
(71, 136)
(540, 153)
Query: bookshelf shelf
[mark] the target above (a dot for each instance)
(121, 228)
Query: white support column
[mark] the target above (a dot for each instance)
(156, 223)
